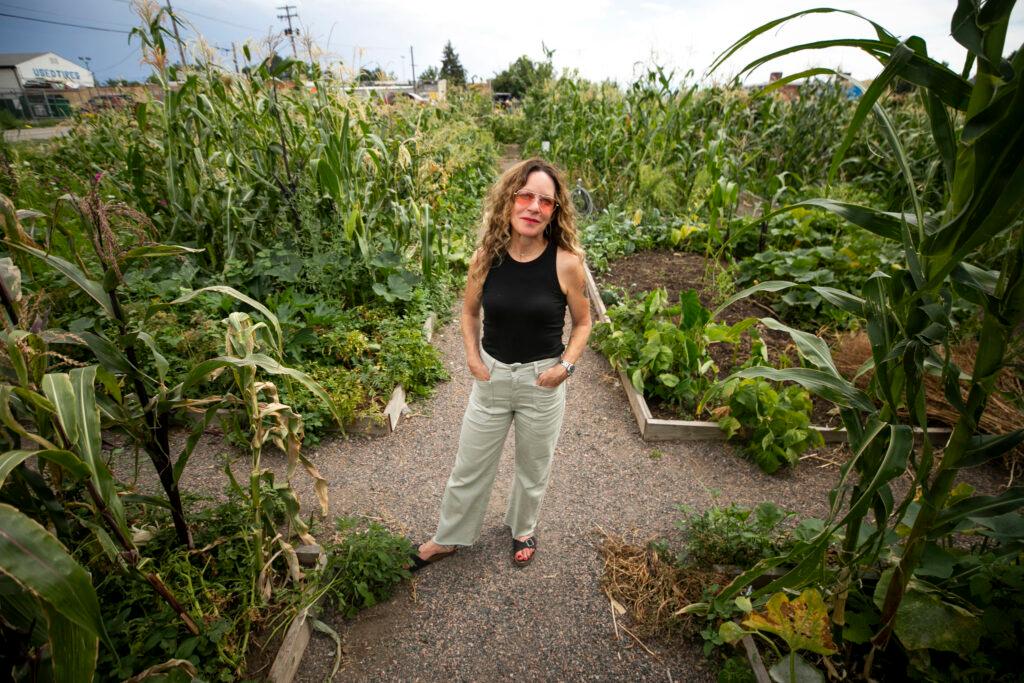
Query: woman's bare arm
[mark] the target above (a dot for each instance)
(472, 305)
(573, 280)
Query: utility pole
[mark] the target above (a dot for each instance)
(290, 32)
(412, 61)
(174, 23)
(234, 55)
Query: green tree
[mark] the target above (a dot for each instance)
(430, 75)
(451, 67)
(372, 73)
(521, 75)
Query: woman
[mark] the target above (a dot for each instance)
(526, 271)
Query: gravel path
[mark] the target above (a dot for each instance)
(474, 616)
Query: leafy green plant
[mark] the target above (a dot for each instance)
(774, 426)
(664, 349)
(615, 234)
(733, 535)
(213, 581)
(736, 670)
(62, 414)
(364, 567)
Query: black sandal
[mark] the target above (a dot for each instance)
(419, 563)
(517, 545)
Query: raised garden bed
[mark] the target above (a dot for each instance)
(689, 269)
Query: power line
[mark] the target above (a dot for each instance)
(108, 68)
(62, 15)
(61, 23)
(205, 16)
(223, 21)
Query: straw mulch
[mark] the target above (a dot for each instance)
(1001, 416)
(652, 589)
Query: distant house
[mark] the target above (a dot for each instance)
(790, 91)
(30, 83)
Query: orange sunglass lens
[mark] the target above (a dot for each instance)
(526, 198)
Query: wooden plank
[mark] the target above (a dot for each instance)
(595, 296)
(394, 408)
(428, 327)
(756, 663)
(682, 430)
(637, 404)
(293, 646)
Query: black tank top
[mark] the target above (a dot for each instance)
(524, 309)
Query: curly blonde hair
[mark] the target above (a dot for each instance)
(496, 230)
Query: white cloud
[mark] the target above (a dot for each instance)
(600, 38)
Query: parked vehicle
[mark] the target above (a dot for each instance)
(109, 101)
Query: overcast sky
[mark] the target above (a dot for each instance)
(599, 38)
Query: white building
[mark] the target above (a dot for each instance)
(22, 70)
(30, 83)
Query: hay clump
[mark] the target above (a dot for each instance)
(1001, 414)
(652, 588)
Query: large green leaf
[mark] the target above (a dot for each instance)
(924, 621)
(868, 101)
(977, 506)
(35, 559)
(73, 273)
(893, 464)
(883, 34)
(232, 292)
(111, 357)
(74, 397)
(158, 358)
(66, 459)
(984, 447)
(73, 648)
(811, 347)
(769, 286)
(819, 382)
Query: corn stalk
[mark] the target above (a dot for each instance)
(977, 128)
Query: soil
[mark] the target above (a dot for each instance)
(679, 271)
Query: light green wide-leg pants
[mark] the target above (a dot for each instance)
(510, 396)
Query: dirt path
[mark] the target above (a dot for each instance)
(474, 616)
(510, 155)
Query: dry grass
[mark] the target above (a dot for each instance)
(1001, 415)
(651, 588)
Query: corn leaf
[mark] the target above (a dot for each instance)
(73, 648)
(66, 459)
(811, 347)
(91, 287)
(824, 384)
(232, 292)
(34, 558)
